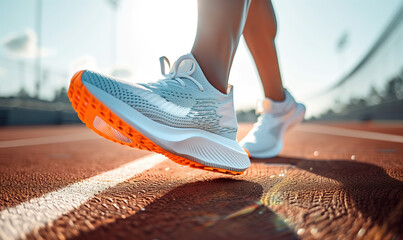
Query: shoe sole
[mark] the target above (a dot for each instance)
(295, 118)
(105, 122)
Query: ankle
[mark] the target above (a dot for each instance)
(217, 85)
(276, 96)
(215, 71)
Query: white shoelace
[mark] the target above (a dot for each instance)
(175, 76)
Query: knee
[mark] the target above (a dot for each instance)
(272, 21)
(272, 28)
(261, 16)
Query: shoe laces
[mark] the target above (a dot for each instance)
(175, 76)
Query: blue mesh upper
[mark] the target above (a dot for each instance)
(203, 105)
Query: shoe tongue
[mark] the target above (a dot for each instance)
(185, 66)
(188, 65)
(273, 107)
(264, 106)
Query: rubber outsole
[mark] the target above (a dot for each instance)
(88, 107)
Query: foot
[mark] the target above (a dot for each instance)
(265, 140)
(181, 116)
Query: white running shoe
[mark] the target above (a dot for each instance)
(182, 116)
(265, 140)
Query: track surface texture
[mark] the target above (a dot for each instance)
(321, 186)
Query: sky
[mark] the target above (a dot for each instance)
(79, 34)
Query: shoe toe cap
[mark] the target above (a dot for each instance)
(256, 146)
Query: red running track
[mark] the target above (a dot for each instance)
(331, 181)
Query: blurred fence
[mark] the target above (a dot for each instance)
(25, 110)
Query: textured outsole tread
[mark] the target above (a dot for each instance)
(88, 107)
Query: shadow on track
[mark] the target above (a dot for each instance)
(366, 187)
(218, 209)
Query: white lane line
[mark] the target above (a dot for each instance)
(16, 222)
(350, 133)
(48, 140)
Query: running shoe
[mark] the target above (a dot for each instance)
(265, 140)
(181, 116)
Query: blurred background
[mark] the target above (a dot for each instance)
(343, 59)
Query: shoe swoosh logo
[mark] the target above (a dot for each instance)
(160, 102)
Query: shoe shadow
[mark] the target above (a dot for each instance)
(365, 188)
(217, 209)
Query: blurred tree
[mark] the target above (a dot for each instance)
(374, 97)
(399, 87)
(61, 95)
(393, 89)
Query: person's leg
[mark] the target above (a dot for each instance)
(278, 111)
(220, 25)
(259, 33)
